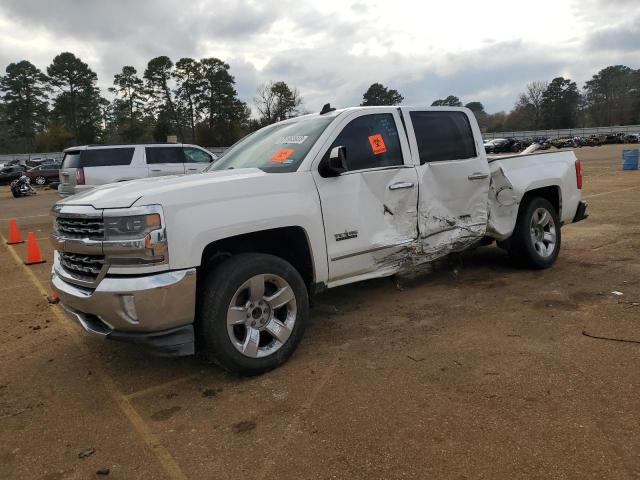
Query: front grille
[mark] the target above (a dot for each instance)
(85, 227)
(85, 267)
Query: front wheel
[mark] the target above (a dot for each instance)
(252, 313)
(536, 238)
(40, 180)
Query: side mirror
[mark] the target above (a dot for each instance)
(335, 164)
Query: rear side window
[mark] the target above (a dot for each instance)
(164, 155)
(370, 141)
(71, 160)
(100, 157)
(106, 157)
(443, 136)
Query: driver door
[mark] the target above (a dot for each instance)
(369, 211)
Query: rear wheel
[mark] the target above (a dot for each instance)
(536, 239)
(40, 180)
(252, 313)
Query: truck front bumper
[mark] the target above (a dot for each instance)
(154, 311)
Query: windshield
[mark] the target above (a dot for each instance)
(276, 148)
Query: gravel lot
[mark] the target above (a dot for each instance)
(474, 370)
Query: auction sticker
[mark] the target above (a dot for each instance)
(377, 144)
(293, 139)
(281, 155)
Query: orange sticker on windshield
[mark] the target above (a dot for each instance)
(377, 144)
(282, 154)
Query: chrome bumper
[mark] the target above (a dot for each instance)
(144, 304)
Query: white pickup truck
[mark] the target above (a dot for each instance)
(224, 262)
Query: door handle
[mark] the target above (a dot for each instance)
(478, 176)
(154, 170)
(192, 169)
(399, 185)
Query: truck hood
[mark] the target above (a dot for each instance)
(125, 194)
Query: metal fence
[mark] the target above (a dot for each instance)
(566, 132)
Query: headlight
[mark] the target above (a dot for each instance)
(131, 227)
(135, 236)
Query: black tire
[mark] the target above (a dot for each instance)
(215, 295)
(16, 195)
(522, 248)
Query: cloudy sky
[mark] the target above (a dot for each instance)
(332, 50)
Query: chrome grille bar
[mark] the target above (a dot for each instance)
(92, 228)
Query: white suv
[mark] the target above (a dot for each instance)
(86, 167)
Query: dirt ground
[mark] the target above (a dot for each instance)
(476, 370)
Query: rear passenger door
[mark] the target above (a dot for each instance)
(164, 160)
(453, 176)
(196, 159)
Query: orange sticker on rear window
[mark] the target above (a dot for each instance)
(377, 144)
(282, 154)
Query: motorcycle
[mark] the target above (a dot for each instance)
(21, 187)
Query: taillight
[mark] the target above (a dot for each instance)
(80, 176)
(578, 175)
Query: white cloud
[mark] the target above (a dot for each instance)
(331, 50)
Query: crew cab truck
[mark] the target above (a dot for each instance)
(224, 262)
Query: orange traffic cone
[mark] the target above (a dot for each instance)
(33, 250)
(14, 233)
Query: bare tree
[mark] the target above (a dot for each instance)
(277, 101)
(530, 103)
(265, 101)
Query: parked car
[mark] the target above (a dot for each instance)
(34, 162)
(543, 142)
(593, 141)
(502, 145)
(233, 255)
(632, 138)
(84, 168)
(525, 142)
(563, 142)
(612, 138)
(45, 173)
(9, 163)
(8, 174)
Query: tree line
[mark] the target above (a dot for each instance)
(196, 101)
(611, 97)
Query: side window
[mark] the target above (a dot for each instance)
(106, 157)
(443, 136)
(195, 155)
(164, 155)
(370, 141)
